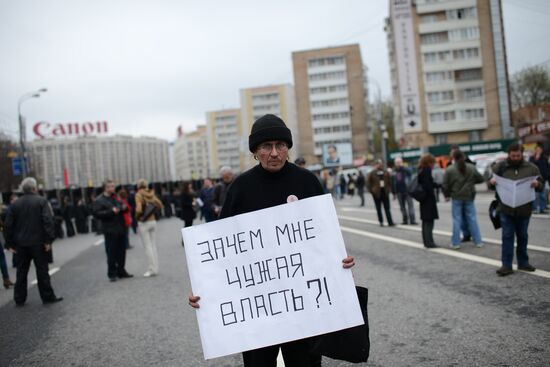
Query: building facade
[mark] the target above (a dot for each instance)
(275, 99)
(88, 160)
(448, 72)
(226, 145)
(330, 100)
(191, 155)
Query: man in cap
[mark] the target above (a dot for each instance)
(280, 182)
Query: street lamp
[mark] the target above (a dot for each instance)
(22, 127)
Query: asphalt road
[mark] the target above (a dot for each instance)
(426, 308)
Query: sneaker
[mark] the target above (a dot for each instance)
(527, 267)
(503, 271)
(149, 274)
(479, 245)
(454, 247)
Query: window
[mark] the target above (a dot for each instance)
(438, 77)
(433, 38)
(434, 57)
(329, 75)
(329, 102)
(468, 74)
(335, 60)
(428, 18)
(474, 136)
(472, 114)
(330, 116)
(466, 13)
(438, 97)
(464, 34)
(467, 53)
(472, 94)
(265, 97)
(329, 89)
(440, 139)
(442, 116)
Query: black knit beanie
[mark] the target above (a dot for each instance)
(266, 128)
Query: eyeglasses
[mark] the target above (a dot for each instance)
(268, 147)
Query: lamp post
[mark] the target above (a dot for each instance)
(22, 126)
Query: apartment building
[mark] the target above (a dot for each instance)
(191, 157)
(226, 144)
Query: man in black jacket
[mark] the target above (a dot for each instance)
(30, 232)
(110, 211)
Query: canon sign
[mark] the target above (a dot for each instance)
(44, 129)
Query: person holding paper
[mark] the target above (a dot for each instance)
(272, 182)
(515, 221)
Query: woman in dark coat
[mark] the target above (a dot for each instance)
(187, 210)
(428, 206)
(81, 216)
(68, 215)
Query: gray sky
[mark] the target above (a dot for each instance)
(148, 66)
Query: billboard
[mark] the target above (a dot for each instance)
(338, 154)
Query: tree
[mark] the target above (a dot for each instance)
(387, 120)
(531, 87)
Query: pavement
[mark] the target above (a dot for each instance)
(438, 307)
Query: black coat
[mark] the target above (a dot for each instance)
(29, 222)
(428, 206)
(111, 223)
(187, 211)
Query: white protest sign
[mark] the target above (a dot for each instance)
(270, 276)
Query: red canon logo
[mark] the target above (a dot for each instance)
(44, 129)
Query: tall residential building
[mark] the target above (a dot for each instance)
(449, 72)
(330, 100)
(275, 99)
(89, 160)
(226, 145)
(191, 155)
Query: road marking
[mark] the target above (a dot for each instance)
(99, 242)
(439, 250)
(436, 231)
(280, 360)
(51, 272)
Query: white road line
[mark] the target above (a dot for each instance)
(51, 272)
(436, 231)
(280, 360)
(442, 251)
(99, 242)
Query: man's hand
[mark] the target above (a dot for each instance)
(447, 198)
(48, 247)
(348, 262)
(12, 250)
(116, 210)
(493, 181)
(535, 184)
(194, 301)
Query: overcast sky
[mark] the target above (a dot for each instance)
(148, 66)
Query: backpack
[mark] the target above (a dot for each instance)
(415, 189)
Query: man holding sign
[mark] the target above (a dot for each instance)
(273, 182)
(515, 218)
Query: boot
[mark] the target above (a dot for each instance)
(7, 283)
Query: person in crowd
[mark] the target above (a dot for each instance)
(428, 206)
(132, 202)
(379, 185)
(207, 197)
(30, 233)
(540, 160)
(123, 197)
(3, 263)
(351, 185)
(401, 177)
(96, 224)
(343, 185)
(3, 215)
(81, 216)
(361, 187)
(167, 199)
(437, 175)
(220, 190)
(57, 217)
(300, 162)
(515, 221)
(459, 184)
(188, 213)
(270, 141)
(466, 232)
(68, 215)
(146, 204)
(110, 211)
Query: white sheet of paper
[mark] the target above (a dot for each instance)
(514, 193)
(200, 202)
(270, 276)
